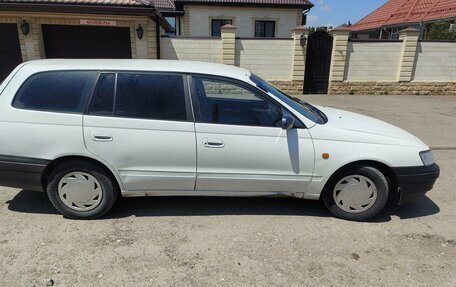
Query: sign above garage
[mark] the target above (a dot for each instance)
(97, 22)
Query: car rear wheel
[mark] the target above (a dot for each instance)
(81, 190)
(357, 193)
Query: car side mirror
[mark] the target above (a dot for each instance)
(287, 122)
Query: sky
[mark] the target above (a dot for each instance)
(338, 12)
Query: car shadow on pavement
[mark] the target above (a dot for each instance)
(37, 202)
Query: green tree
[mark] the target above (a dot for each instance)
(440, 31)
(313, 29)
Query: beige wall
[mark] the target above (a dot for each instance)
(270, 59)
(193, 49)
(405, 67)
(198, 18)
(367, 61)
(436, 61)
(259, 56)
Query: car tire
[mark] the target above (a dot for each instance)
(356, 193)
(81, 190)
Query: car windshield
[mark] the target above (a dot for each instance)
(304, 108)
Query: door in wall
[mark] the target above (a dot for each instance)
(318, 63)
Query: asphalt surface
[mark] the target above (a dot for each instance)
(246, 241)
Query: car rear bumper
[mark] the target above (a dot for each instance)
(414, 182)
(22, 172)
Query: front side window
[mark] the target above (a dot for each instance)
(217, 24)
(302, 107)
(150, 96)
(223, 102)
(56, 91)
(265, 29)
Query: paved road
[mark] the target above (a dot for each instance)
(431, 118)
(244, 242)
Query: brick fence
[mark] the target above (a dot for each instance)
(404, 67)
(279, 60)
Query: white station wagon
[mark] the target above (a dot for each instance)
(87, 131)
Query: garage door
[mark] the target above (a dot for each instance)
(63, 41)
(10, 49)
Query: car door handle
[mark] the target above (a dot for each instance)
(213, 143)
(101, 137)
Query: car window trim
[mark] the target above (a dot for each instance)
(94, 83)
(255, 90)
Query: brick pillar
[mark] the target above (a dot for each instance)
(228, 44)
(299, 54)
(151, 38)
(339, 54)
(34, 45)
(410, 38)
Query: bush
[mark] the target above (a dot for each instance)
(440, 31)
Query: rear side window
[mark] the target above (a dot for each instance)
(57, 91)
(150, 96)
(103, 98)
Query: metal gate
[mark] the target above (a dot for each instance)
(318, 63)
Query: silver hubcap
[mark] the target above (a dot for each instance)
(80, 191)
(355, 193)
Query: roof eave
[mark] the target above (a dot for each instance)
(123, 10)
(80, 8)
(215, 3)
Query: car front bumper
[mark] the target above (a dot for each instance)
(414, 182)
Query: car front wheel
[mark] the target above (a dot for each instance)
(357, 193)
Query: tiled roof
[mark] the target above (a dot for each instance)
(407, 11)
(94, 2)
(264, 2)
(164, 4)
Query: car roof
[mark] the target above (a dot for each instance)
(138, 65)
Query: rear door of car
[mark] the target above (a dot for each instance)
(142, 125)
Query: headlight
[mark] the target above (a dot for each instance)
(427, 157)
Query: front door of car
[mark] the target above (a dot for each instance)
(141, 124)
(241, 144)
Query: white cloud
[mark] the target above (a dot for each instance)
(326, 7)
(312, 20)
(323, 6)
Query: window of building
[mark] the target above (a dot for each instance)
(150, 96)
(222, 102)
(172, 22)
(57, 91)
(265, 29)
(217, 24)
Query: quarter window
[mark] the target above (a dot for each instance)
(150, 96)
(103, 98)
(265, 29)
(57, 91)
(222, 102)
(217, 24)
